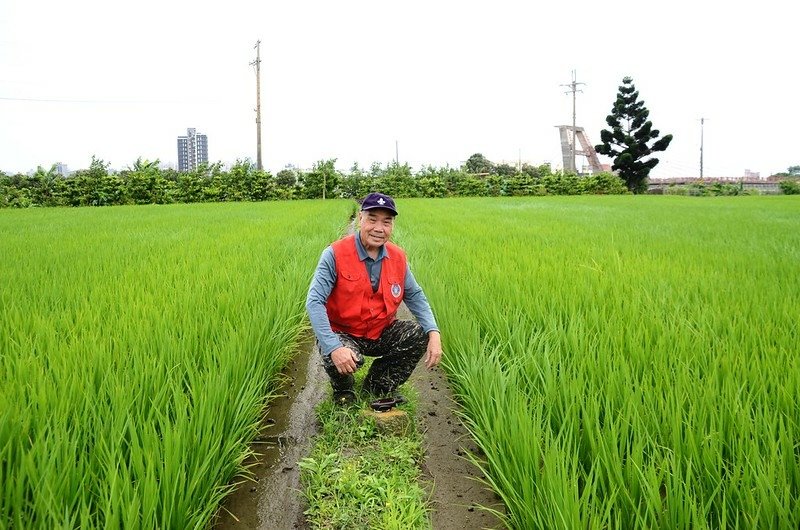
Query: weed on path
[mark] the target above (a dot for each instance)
(360, 478)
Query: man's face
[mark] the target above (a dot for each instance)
(375, 227)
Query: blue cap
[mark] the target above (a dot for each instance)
(378, 200)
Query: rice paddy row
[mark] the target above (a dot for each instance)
(137, 348)
(623, 362)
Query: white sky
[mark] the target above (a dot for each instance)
(346, 79)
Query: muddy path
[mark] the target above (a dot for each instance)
(450, 478)
(271, 500)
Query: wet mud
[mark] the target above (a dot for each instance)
(271, 499)
(451, 480)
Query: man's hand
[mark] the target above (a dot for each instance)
(434, 352)
(345, 360)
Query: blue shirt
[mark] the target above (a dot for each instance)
(325, 278)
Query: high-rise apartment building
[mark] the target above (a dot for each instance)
(62, 169)
(192, 150)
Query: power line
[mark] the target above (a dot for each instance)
(104, 101)
(91, 101)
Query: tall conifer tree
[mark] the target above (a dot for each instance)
(627, 139)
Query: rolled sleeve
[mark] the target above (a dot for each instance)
(417, 303)
(321, 286)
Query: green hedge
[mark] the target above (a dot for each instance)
(146, 183)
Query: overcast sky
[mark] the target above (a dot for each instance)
(347, 79)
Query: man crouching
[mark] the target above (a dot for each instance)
(352, 302)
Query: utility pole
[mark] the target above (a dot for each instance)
(257, 64)
(702, 121)
(396, 153)
(573, 89)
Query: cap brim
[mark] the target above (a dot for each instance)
(380, 208)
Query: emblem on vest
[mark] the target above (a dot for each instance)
(396, 290)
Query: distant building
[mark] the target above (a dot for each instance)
(192, 150)
(751, 174)
(59, 168)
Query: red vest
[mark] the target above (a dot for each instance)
(352, 306)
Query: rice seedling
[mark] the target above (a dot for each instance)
(623, 362)
(137, 348)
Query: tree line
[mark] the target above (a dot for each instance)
(145, 183)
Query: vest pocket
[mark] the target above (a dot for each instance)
(349, 280)
(351, 291)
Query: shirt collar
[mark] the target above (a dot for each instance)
(362, 252)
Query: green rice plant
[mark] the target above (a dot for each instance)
(622, 362)
(138, 346)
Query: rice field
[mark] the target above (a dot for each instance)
(623, 362)
(137, 348)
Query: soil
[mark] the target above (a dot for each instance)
(452, 481)
(271, 499)
(456, 492)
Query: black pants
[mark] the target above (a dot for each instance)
(398, 350)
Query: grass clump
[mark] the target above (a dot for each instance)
(359, 478)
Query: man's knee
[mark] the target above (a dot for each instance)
(418, 337)
(418, 333)
(404, 339)
(406, 331)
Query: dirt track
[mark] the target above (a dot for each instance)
(455, 492)
(274, 502)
